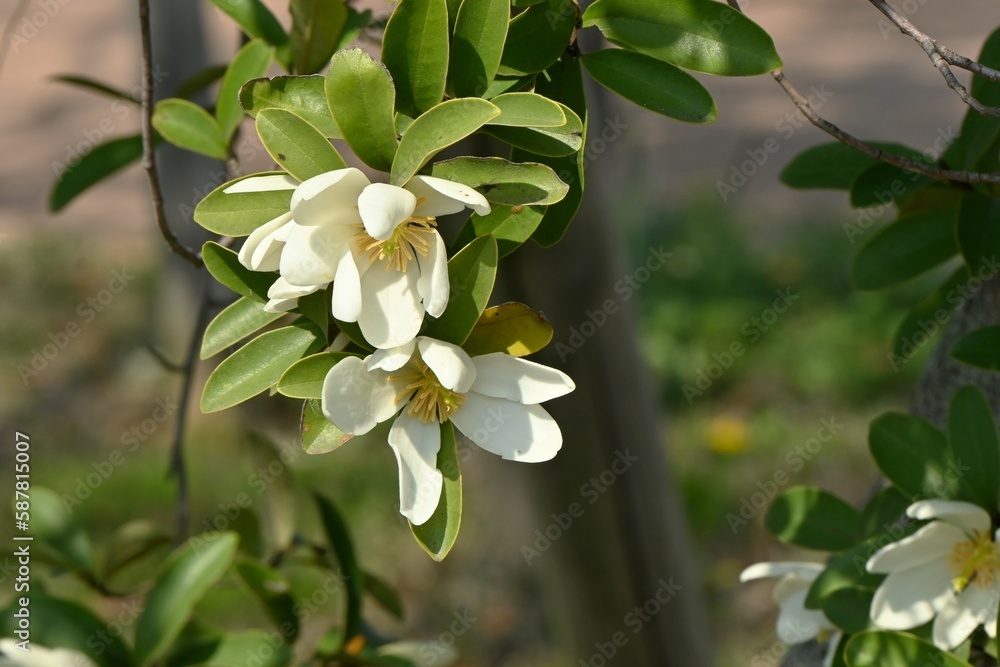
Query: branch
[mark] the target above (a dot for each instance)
(148, 149)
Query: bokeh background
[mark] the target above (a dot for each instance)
(822, 362)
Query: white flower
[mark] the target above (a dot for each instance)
(39, 656)
(796, 623)
(493, 399)
(948, 570)
(377, 243)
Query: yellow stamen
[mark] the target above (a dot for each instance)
(428, 400)
(409, 239)
(976, 560)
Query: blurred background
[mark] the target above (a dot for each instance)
(90, 290)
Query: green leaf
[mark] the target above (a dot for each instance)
(537, 37)
(812, 518)
(883, 184)
(974, 147)
(652, 84)
(318, 435)
(63, 535)
(415, 49)
(272, 591)
(848, 569)
(212, 649)
(314, 307)
(896, 649)
(471, 273)
(239, 213)
(278, 514)
(250, 62)
(356, 22)
(527, 110)
(224, 265)
(552, 141)
(184, 579)
(849, 608)
(438, 534)
(927, 318)
(133, 541)
(972, 435)
(509, 84)
(442, 126)
(511, 226)
(237, 321)
(910, 246)
(700, 35)
(255, 19)
(96, 86)
(92, 167)
(383, 593)
(339, 537)
(511, 327)
(188, 126)
(298, 147)
(979, 231)
(361, 96)
(316, 29)
(832, 166)
(504, 182)
(476, 46)
(305, 96)
(258, 365)
(914, 456)
(199, 81)
(885, 509)
(979, 348)
(304, 378)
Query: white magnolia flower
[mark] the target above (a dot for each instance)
(39, 656)
(796, 623)
(949, 570)
(493, 399)
(377, 243)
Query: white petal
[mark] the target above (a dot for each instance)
(764, 570)
(346, 304)
(391, 312)
(437, 196)
(392, 359)
(452, 366)
(908, 598)
(355, 399)
(433, 284)
(967, 516)
(796, 624)
(263, 184)
(933, 541)
(831, 648)
(280, 305)
(500, 375)
(311, 254)
(990, 622)
(261, 249)
(511, 430)
(789, 586)
(282, 289)
(384, 206)
(961, 614)
(416, 446)
(329, 198)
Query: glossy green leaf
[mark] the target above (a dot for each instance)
(315, 308)
(304, 378)
(438, 534)
(97, 87)
(480, 29)
(339, 537)
(509, 84)
(249, 63)
(471, 273)
(415, 49)
(979, 348)
(305, 96)
(908, 247)
(236, 321)
(700, 35)
(832, 166)
(511, 327)
(356, 22)
(979, 231)
(511, 226)
(318, 435)
(256, 20)
(527, 110)
(239, 213)
(131, 542)
(269, 588)
(896, 649)
(812, 518)
(883, 184)
(298, 147)
(315, 34)
(213, 649)
(504, 182)
(849, 608)
(652, 84)
(974, 149)
(188, 126)
(384, 594)
(361, 96)
(537, 37)
(93, 167)
(258, 365)
(62, 535)
(224, 265)
(972, 434)
(848, 569)
(927, 318)
(914, 456)
(884, 510)
(551, 141)
(184, 579)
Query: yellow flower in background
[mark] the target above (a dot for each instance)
(727, 435)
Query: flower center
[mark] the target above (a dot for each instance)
(428, 400)
(409, 239)
(974, 560)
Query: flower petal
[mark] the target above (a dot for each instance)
(961, 614)
(502, 376)
(908, 598)
(383, 207)
(280, 305)
(392, 359)
(356, 399)
(452, 366)
(967, 516)
(764, 570)
(933, 541)
(796, 624)
(311, 254)
(262, 248)
(346, 301)
(282, 289)
(391, 312)
(433, 285)
(329, 198)
(262, 184)
(438, 196)
(513, 431)
(416, 446)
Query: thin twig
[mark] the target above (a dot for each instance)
(958, 60)
(8, 30)
(148, 148)
(162, 358)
